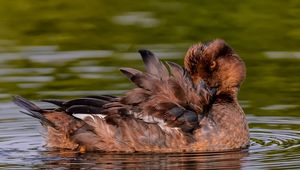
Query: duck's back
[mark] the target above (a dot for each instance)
(161, 114)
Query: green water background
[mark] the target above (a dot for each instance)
(64, 49)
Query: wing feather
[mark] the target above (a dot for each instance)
(162, 95)
(170, 96)
(153, 65)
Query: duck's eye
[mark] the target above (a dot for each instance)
(213, 65)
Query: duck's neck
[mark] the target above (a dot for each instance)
(228, 120)
(226, 107)
(227, 95)
(229, 117)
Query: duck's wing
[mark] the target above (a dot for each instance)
(164, 95)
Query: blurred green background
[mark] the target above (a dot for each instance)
(66, 49)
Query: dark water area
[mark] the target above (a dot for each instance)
(63, 49)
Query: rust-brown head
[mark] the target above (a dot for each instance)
(217, 64)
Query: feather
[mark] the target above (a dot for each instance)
(138, 78)
(170, 97)
(86, 101)
(33, 110)
(130, 72)
(84, 109)
(190, 120)
(175, 112)
(153, 65)
(104, 97)
(136, 96)
(56, 102)
(25, 104)
(43, 120)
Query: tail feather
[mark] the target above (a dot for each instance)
(25, 104)
(32, 110)
(56, 102)
(62, 129)
(43, 120)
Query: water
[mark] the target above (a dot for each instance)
(58, 49)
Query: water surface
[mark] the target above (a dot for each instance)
(59, 49)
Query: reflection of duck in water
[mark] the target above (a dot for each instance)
(172, 109)
(94, 160)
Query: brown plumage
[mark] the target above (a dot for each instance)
(172, 109)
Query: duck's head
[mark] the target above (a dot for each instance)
(217, 64)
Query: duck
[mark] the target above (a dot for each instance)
(172, 108)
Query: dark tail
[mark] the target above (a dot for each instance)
(32, 110)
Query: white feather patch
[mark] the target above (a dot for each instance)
(151, 119)
(83, 116)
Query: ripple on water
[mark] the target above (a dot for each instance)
(92, 69)
(68, 55)
(8, 71)
(273, 147)
(44, 56)
(162, 55)
(27, 79)
(279, 107)
(144, 19)
(82, 93)
(21, 146)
